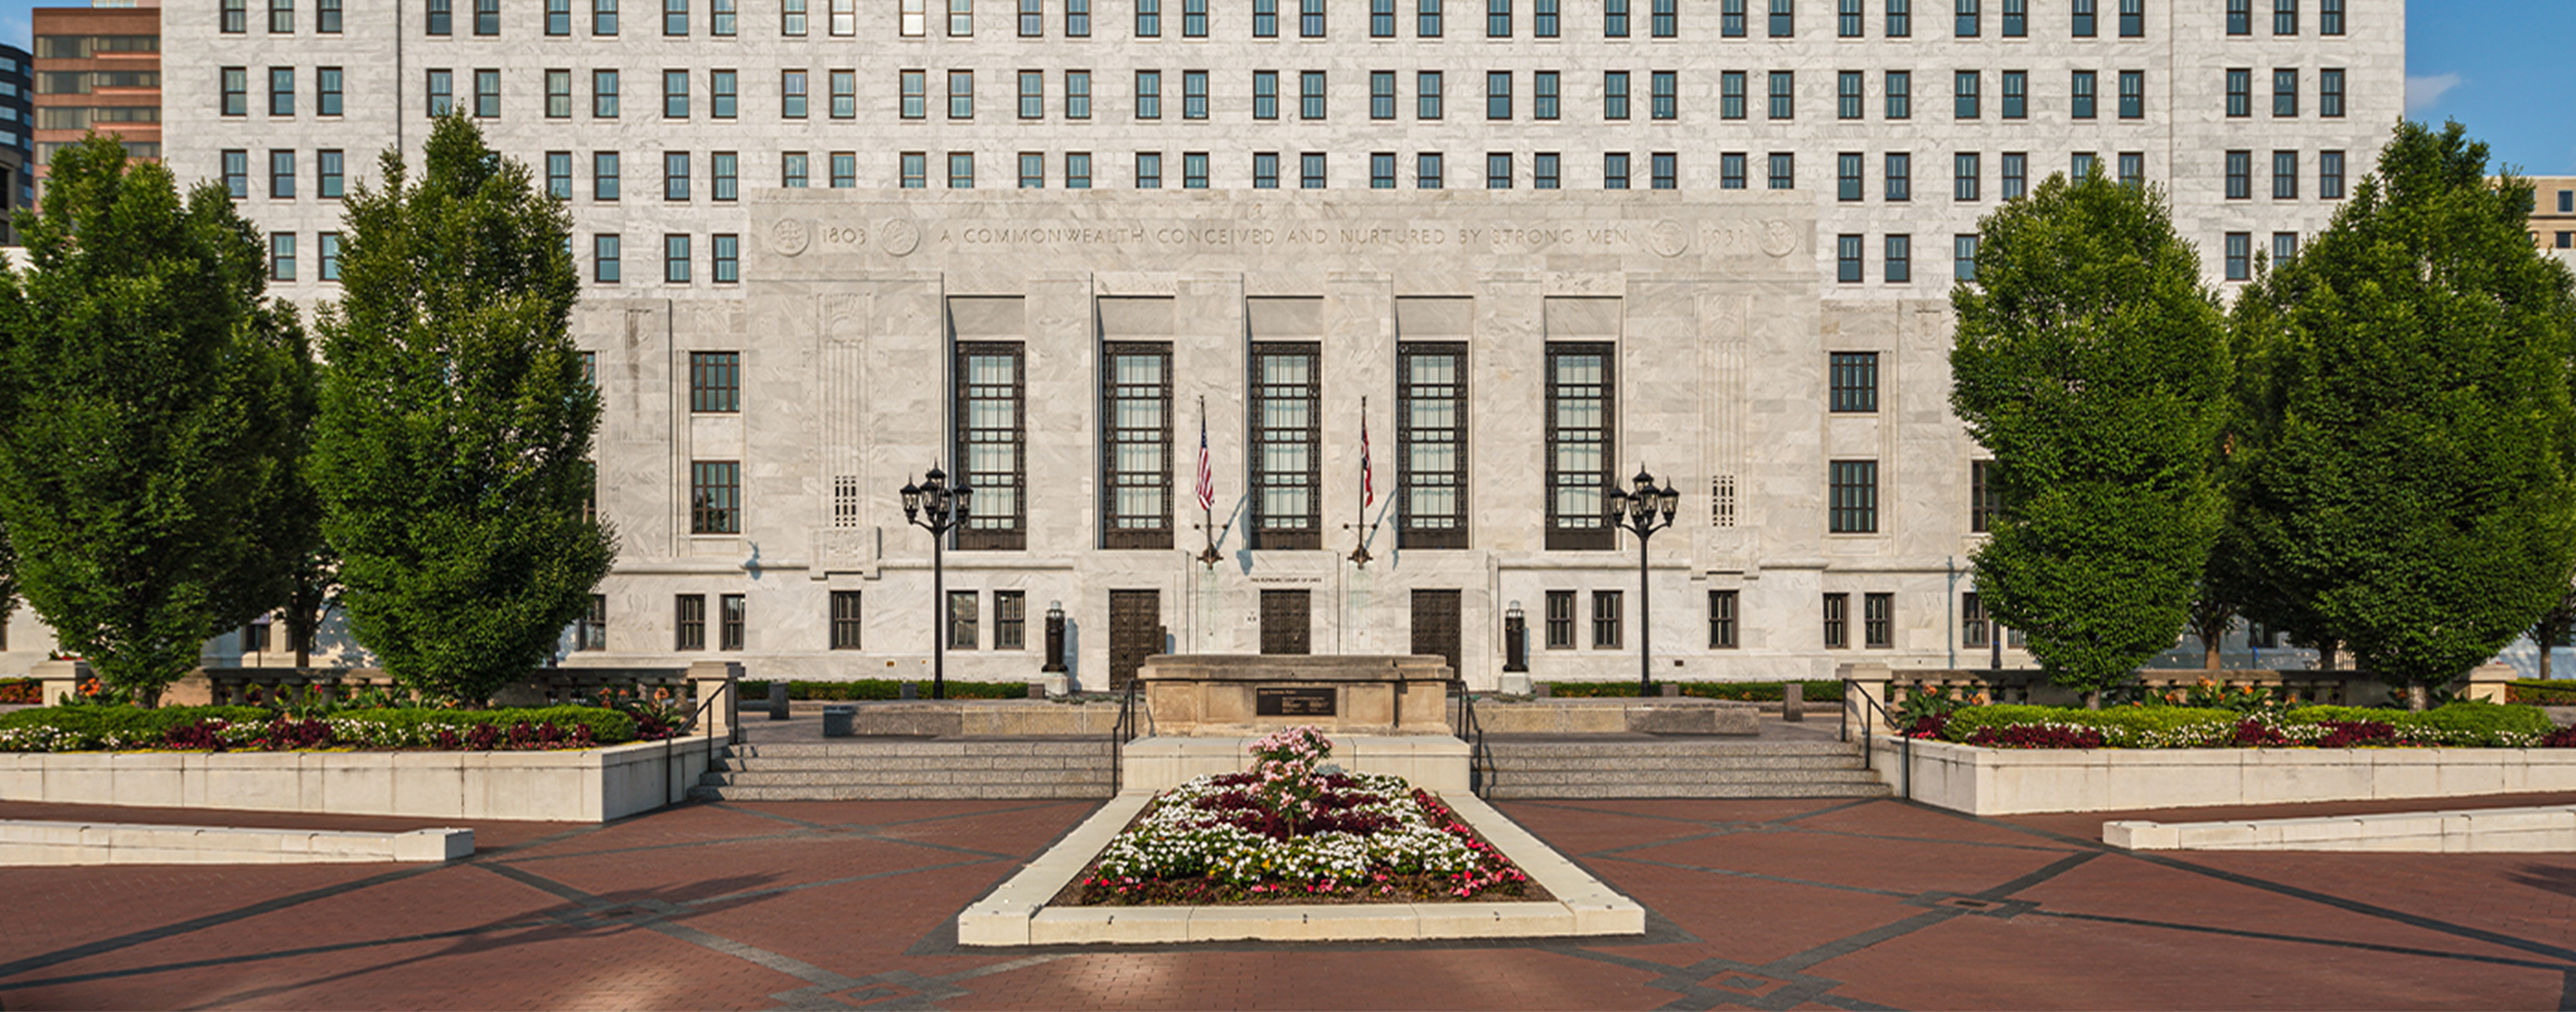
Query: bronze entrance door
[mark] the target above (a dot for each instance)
(1285, 619)
(1435, 625)
(1135, 632)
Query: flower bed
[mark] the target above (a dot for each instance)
(251, 728)
(20, 691)
(2459, 725)
(1294, 830)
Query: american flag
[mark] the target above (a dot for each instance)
(1207, 474)
(1368, 477)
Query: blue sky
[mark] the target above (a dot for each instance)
(2490, 64)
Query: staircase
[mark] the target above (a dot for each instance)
(1532, 766)
(874, 769)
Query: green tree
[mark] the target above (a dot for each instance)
(142, 418)
(2553, 628)
(454, 423)
(2406, 471)
(2091, 361)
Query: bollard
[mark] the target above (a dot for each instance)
(907, 690)
(778, 701)
(837, 718)
(1793, 702)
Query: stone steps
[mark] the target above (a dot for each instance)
(909, 768)
(1504, 791)
(1676, 768)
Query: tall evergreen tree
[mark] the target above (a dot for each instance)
(455, 419)
(143, 380)
(2091, 361)
(2408, 466)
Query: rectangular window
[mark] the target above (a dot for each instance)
(675, 94)
(2240, 91)
(961, 170)
(726, 169)
(559, 175)
(2330, 177)
(2016, 18)
(675, 16)
(961, 94)
(1310, 94)
(791, 94)
(1077, 94)
(2240, 17)
(2081, 94)
(1605, 620)
(1581, 444)
(1665, 89)
(1310, 170)
(2080, 165)
(715, 382)
(727, 258)
(2133, 169)
(281, 91)
(2133, 94)
(2329, 17)
(1426, 94)
(1900, 176)
(1560, 619)
(1149, 170)
(1614, 19)
(604, 262)
(329, 171)
(1614, 170)
(1149, 19)
(1722, 619)
(2284, 246)
(961, 18)
(675, 175)
(326, 17)
(1730, 18)
(1498, 95)
(603, 17)
(1781, 24)
(487, 17)
(2016, 104)
(1847, 19)
(1032, 170)
(1837, 624)
(558, 17)
(1878, 621)
(1286, 437)
(1149, 94)
(2285, 175)
(1194, 19)
(1265, 94)
(1848, 167)
(1194, 94)
(1310, 19)
(1543, 171)
(1077, 19)
(1900, 259)
(1964, 176)
(1543, 95)
(442, 92)
(1964, 88)
(2133, 19)
(992, 436)
(1853, 381)
(1900, 94)
(962, 631)
(1664, 168)
(1974, 630)
(1730, 170)
(676, 259)
(845, 170)
(603, 175)
(1427, 171)
(1265, 170)
(1077, 170)
(1382, 170)
(1136, 414)
(1010, 620)
(1963, 257)
(603, 94)
(281, 256)
(1985, 496)
(2285, 17)
(2330, 93)
(2084, 26)
(1498, 19)
(442, 17)
(1847, 94)
(1784, 89)
(1965, 25)
(2016, 175)
(1784, 170)
(1667, 18)
(730, 615)
(236, 16)
(2240, 255)
(715, 497)
(845, 620)
(689, 621)
(1614, 95)
(2240, 175)
(2285, 93)
(487, 94)
(913, 170)
(722, 95)
(1431, 442)
(1265, 18)
(591, 633)
(1853, 491)
(236, 91)
(1032, 19)
(1900, 19)
(1426, 19)
(1543, 18)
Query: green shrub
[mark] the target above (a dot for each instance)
(1758, 692)
(2458, 725)
(2121, 727)
(2550, 693)
(754, 691)
(93, 728)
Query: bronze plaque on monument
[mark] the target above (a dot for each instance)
(1293, 702)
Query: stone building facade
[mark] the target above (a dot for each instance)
(743, 173)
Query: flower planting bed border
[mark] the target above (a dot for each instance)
(2011, 781)
(1018, 912)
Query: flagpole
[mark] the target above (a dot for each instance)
(1207, 503)
(1359, 550)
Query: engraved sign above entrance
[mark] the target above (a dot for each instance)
(1268, 701)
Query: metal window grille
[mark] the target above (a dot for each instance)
(1431, 443)
(1854, 497)
(1721, 619)
(1854, 385)
(689, 622)
(1581, 408)
(1010, 620)
(730, 610)
(845, 620)
(1136, 411)
(715, 497)
(1560, 619)
(1837, 621)
(992, 405)
(1606, 624)
(1878, 621)
(1287, 435)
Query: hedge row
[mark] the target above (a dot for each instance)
(2459, 725)
(95, 728)
(2554, 692)
(20, 691)
(1748, 691)
(755, 691)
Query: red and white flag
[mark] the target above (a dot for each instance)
(1368, 477)
(1207, 474)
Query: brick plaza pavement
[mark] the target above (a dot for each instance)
(1772, 904)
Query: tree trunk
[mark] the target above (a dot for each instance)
(2326, 655)
(2093, 699)
(2416, 697)
(2544, 662)
(2209, 654)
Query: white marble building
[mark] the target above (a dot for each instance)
(698, 141)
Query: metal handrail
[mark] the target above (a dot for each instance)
(697, 720)
(1472, 731)
(1122, 733)
(1905, 742)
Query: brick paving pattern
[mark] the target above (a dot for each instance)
(1765, 904)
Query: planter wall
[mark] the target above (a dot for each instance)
(585, 785)
(1988, 781)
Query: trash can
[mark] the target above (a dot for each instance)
(837, 718)
(778, 701)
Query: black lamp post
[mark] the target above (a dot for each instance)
(1515, 639)
(935, 507)
(1643, 511)
(1054, 637)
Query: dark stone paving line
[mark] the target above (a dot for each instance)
(2269, 936)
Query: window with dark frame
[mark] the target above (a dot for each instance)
(1985, 496)
(1431, 444)
(1010, 620)
(729, 621)
(715, 497)
(1837, 621)
(1853, 488)
(1287, 433)
(591, 632)
(689, 622)
(1581, 406)
(963, 629)
(1560, 620)
(715, 381)
(1722, 619)
(845, 620)
(1878, 621)
(1606, 624)
(1854, 381)
(1136, 412)
(992, 441)
(1974, 630)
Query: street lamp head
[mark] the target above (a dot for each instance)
(964, 497)
(1614, 504)
(1514, 611)
(934, 480)
(1672, 498)
(1643, 482)
(911, 500)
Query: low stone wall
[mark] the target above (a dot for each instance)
(999, 718)
(1990, 781)
(1618, 715)
(2547, 829)
(580, 785)
(34, 843)
(1435, 763)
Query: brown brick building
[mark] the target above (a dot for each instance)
(97, 68)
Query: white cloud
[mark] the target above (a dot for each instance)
(2423, 93)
